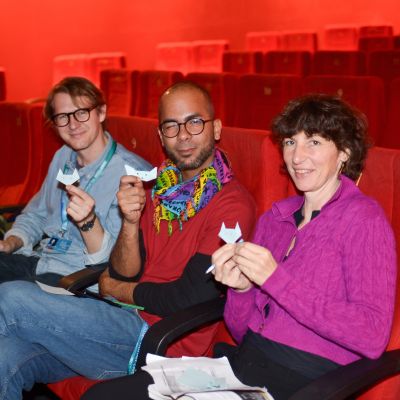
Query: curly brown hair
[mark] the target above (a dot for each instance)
(330, 117)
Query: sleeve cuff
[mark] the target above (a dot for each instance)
(103, 254)
(20, 234)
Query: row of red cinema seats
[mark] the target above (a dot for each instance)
(335, 37)
(252, 100)
(88, 65)
(210, 55)
(256, 162)
(308, 41)
(383, 63)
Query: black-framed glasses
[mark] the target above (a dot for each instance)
(80, 115)
(193, 126)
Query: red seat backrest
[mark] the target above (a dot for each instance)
(2, 84)
(86, 65)
(70, 65)
(375, 30)
(363, 92)
(299, 41)
(16, 155)
(339, 63)
(339, 37)
(256, 162)
(207, 55)
(381, 180)
(263, 41)
(385, 64)
(174, 56)
(98, 62)
(375, 43)
(391, 135)
(46, 142)
(152, 85)
(287, 62)
(261, 97)
(242, 62)
(138, 135)
(120, 88)
(222, 88)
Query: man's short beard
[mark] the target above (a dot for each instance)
(205, 153)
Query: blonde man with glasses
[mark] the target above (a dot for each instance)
(66, 227)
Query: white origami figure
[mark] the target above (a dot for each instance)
(143, 175)
(67, 179)
(228, 235)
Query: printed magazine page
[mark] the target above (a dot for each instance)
(198, 378)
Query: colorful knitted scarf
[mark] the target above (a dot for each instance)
(174, 199)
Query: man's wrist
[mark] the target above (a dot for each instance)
(88, 225)
(13, 243)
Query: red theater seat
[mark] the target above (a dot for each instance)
(222, 88)
(86, 65)
(299, 41)
(242, 62)
(287, 62)
(374, 43)
(70, 65)
(151, 86)
(16, 157)
(174, 56)
(260, 97)
(375, 30)
(385, 64)
(391, 135)
(2, 84)
(120, 88)
(396, 42)
(98, 62)
(256, 162)
(365, 93)
(339, 37)
(139, 135)
(381, 180)
(45, 142)
(339, 63)
(207, 55)
(28, 145)
(72, 388)
(263, 41)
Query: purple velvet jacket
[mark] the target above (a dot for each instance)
(334, 294)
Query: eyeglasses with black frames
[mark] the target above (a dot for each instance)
(80, 115)
(193, 126)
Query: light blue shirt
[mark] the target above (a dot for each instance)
(42, 215)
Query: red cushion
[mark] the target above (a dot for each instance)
(72, 388)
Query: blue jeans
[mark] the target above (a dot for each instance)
(46, 338)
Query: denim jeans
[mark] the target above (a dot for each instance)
(46, 338)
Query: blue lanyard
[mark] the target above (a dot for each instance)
(93, 179)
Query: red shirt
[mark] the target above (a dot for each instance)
(168, 255)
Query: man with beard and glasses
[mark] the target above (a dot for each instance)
(158, 262)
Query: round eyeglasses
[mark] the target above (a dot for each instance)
(80, 115)
(193, 126)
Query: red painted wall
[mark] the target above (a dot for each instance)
(33, 32)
